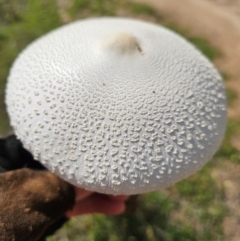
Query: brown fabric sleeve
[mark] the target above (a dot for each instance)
(30, 201)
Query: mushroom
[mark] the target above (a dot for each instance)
(117, 106)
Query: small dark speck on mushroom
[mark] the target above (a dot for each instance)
(140, 50)
(154, 92)
(104, 84)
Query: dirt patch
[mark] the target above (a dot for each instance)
(232, 5)
(63, 6)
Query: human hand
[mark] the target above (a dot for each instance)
(89, 202)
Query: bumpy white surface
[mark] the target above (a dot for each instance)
(124, 120)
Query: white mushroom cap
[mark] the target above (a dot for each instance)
(117, 106)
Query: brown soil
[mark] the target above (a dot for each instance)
(219, 22)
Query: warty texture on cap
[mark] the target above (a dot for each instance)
(117, 106)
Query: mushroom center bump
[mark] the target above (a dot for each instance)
(123, 43)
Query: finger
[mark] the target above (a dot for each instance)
(97, 203)
(119, 198)
(82, 194)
